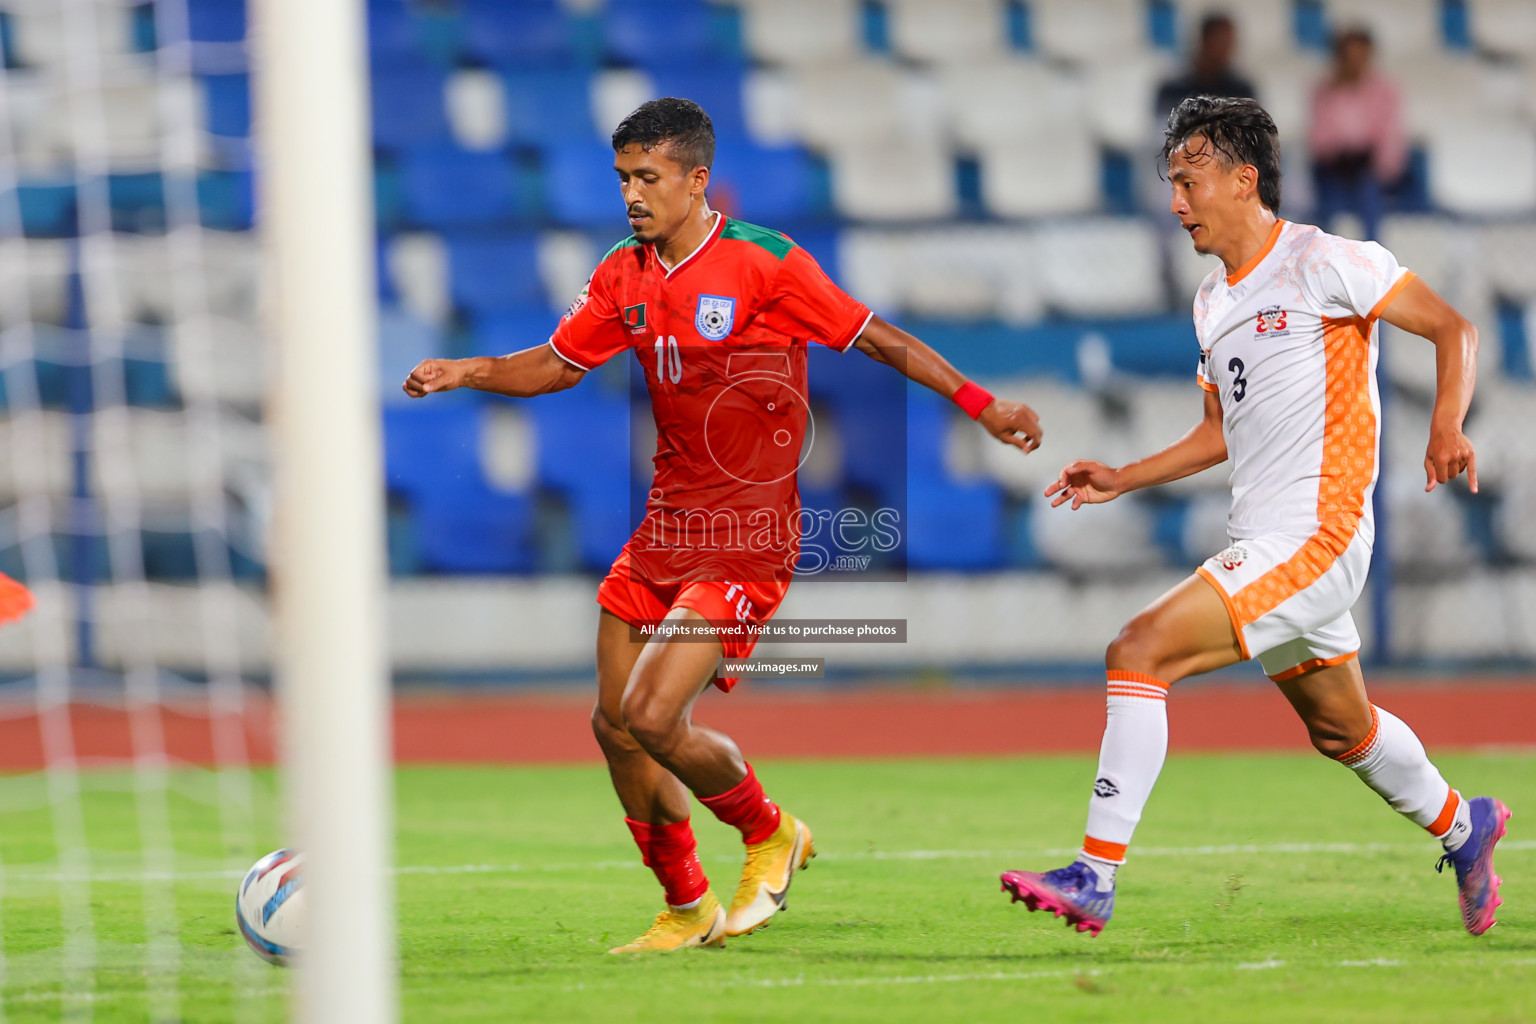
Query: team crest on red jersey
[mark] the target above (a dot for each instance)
(1271, 323)
(715, 317)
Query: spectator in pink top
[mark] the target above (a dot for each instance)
(1357, 142)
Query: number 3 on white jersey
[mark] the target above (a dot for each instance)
(669, 360)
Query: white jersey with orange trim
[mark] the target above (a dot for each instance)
(1289, 344)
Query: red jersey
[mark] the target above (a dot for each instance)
(721, 338)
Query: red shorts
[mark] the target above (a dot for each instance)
(638, 601)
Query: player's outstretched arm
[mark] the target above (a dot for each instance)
(533, 371)
(1090, 483)
(1010, 422)
(1419, 310)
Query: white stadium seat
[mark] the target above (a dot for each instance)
(1265, 28)
(1515, 514)
(866, 103)
(476, 102)
(1189, 267)
(1042, 179)
(43, 34)
(1427, 533)
(1284, 85)
(1481, 616)
(1508, 253)
(949, 31)
(152, 455)
(1503, 26)
(35, 455)
(997, 102)
(216, 358)
(1114, 538)
(1074, 429)
(566, 259)
(1101, 267)
(1500, 428)
(962, 272)
(417, 265)
(1483, 168)
(895, 182)
(1401, 29)
(1444, 89)
(508, 448)
(802, 31)
(34, 280)
(1205, 525)
(1161, 412)
(613, 93)
(771, 106)
(1120, 97)
(1086, 30)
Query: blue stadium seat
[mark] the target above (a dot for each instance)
(584, 451)
(216, 21)
(47, 208)
(495, 274)
(138, 201)
(762, 184)
(409, 108)
(522, 34)
(227, 200)
(432, 458)
(395, 36)
(229, 104)
(954, 525)
(445, 187)
(716, 87)
(404, 341)
(657, 32)
(512, 331)
(548, 106)
(582, 189)
(1152, 345)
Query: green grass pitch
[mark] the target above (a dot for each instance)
(1260, 888)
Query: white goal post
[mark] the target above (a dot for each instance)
(327, 564)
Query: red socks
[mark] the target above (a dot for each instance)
(671, 852)
(746, 807)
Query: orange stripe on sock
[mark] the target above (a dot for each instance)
(1102, 850)
(1129, 691)
(1441, 825)
(1359, 750)
(1117, 676)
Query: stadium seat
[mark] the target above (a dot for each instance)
(38, 276)
(764, 185)
(1509, 259)
(1514, 514)
(1427, 533)
(1104, 267)
(226, 200)
(40, 35)
(417, 267)
(477, 109)
(802, 31)
(947, 31)
(1503, 26)
(865, 103)
(1086, 30)
(500, 334)
(1119, 97)
(449, 188)
(1161, 412)
(982, 107)
(228, 99)
(954, 525)
(404, 341)
(47, 467)
(1444, 89)
(584, 451)
(1205, 525)
(548, 106)
(410, 108)
(217, 359)
(660, 32)
(507, 447)
(495, 274)
(1285, 85)
(1074, 429)
(771, 106)
(529, 33)
(893, 182)
(965, 273)
(583, 191)
(1189, 268)
(475, 530)
(395, 36)
(1112, 539)
(1265, 29)
(216, 21)
(1483, 168)
(1499, 426)
(1016, 182)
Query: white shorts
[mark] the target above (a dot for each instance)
(1289, 596)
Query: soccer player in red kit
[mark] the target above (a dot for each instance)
(718, 313)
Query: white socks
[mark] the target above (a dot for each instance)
(1391, 760)
(1130, 758)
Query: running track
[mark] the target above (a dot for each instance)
(480, 728)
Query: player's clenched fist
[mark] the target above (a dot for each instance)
(433, 375)
(1012, 423)
(1449, 453)
(1085, 483)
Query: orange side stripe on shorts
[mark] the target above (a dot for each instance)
(1360, 749)
(1441, 825)
(1348, 467)
(1308, 666)
(1102, 850)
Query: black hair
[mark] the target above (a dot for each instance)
(1352, 34)
(1238, 131)
(678, 123)
(1214, 21)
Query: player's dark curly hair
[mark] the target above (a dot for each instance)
(680, 124)
(1239, 131)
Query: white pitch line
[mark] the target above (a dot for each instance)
(1250, 849)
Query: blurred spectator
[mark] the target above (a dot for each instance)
(1210, 72)
(1357, 141)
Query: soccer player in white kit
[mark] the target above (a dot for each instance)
(1287, 327)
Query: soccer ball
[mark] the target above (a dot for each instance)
(269, 907)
